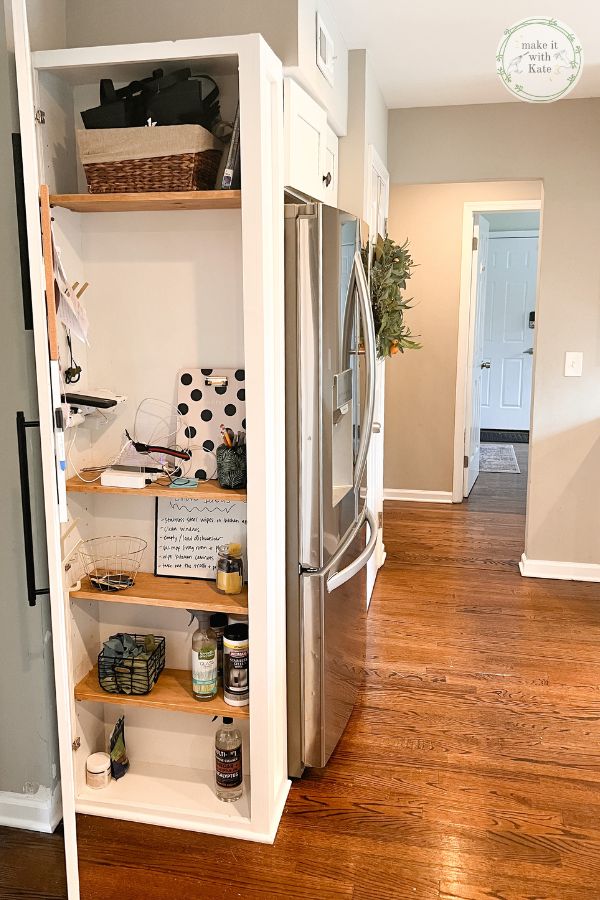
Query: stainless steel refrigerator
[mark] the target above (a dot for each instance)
(330, 391)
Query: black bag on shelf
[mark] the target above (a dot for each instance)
(173, 99)
(183, 103)
(120, 108)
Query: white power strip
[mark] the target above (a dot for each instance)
(115, 478)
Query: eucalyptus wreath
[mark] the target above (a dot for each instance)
(390, 270)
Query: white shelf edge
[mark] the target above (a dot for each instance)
(240, 829)
(119, 800)
(114, 54)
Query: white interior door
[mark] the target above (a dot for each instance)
(508, 339)
(376, 205)
(476, 364)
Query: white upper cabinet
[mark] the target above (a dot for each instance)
(310, 146)
(330, 169)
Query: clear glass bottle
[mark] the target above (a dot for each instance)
(204, 659)
(228, 762)
(230, 569)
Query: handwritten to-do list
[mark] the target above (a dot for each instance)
(189, 532)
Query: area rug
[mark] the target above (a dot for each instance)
(498, 458)
(495, 436)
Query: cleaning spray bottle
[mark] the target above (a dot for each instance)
(204, 657)
(228, 762)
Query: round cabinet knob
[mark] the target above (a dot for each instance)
(327, 179)
(486, 365)
(376, 428)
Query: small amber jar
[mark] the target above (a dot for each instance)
(230, 569)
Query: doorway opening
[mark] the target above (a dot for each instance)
(499, 277)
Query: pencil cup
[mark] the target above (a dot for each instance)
(231, 466)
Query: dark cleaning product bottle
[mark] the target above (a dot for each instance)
(218, 623)
(228, 762)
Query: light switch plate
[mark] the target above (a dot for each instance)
(573, 363)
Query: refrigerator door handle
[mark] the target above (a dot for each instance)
(366, 426)
(334, 581)
(309, 387)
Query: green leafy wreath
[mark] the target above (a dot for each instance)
(390, 270)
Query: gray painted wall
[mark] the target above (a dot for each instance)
(91, 23)
(420, 385)
(28, 739)
(288, 26)
(557, 143)
(367, 124)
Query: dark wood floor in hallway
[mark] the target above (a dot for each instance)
(470, 769)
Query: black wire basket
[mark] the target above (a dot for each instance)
(132, 676)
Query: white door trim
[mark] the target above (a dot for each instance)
(374, 161)
(470, 209)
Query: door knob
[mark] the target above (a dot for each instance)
(529, 351)
(376, 428)
(486, 365)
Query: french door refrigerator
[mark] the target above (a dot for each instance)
(330, 392)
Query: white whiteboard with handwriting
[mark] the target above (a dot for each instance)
(188, 533)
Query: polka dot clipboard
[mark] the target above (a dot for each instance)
(207, 399)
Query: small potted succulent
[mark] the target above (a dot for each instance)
(390, 270)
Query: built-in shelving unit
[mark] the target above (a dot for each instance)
(173, 593)
(172, 691)
(205, 490)
(188, 288)
(167, 200)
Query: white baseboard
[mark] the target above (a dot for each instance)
(418, 496)
(41, 811)
(565, 571)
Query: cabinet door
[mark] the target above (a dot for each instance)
(330, 168)
(305, 124)
(47, 371)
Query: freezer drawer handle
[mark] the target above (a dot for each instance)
(32, 591)
(362, 559)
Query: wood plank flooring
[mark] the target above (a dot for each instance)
(470, 769)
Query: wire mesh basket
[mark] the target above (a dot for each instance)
(137, 675)
(112, 563)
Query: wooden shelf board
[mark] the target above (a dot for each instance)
(172, 691)
(205, 490)
(151, 202)
(175, 593)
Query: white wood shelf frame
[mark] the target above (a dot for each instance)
(261, 112)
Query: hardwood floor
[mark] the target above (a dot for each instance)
(470, 769)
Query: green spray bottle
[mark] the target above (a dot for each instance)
(205, 676)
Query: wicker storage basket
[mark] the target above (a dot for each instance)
(138, 160)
